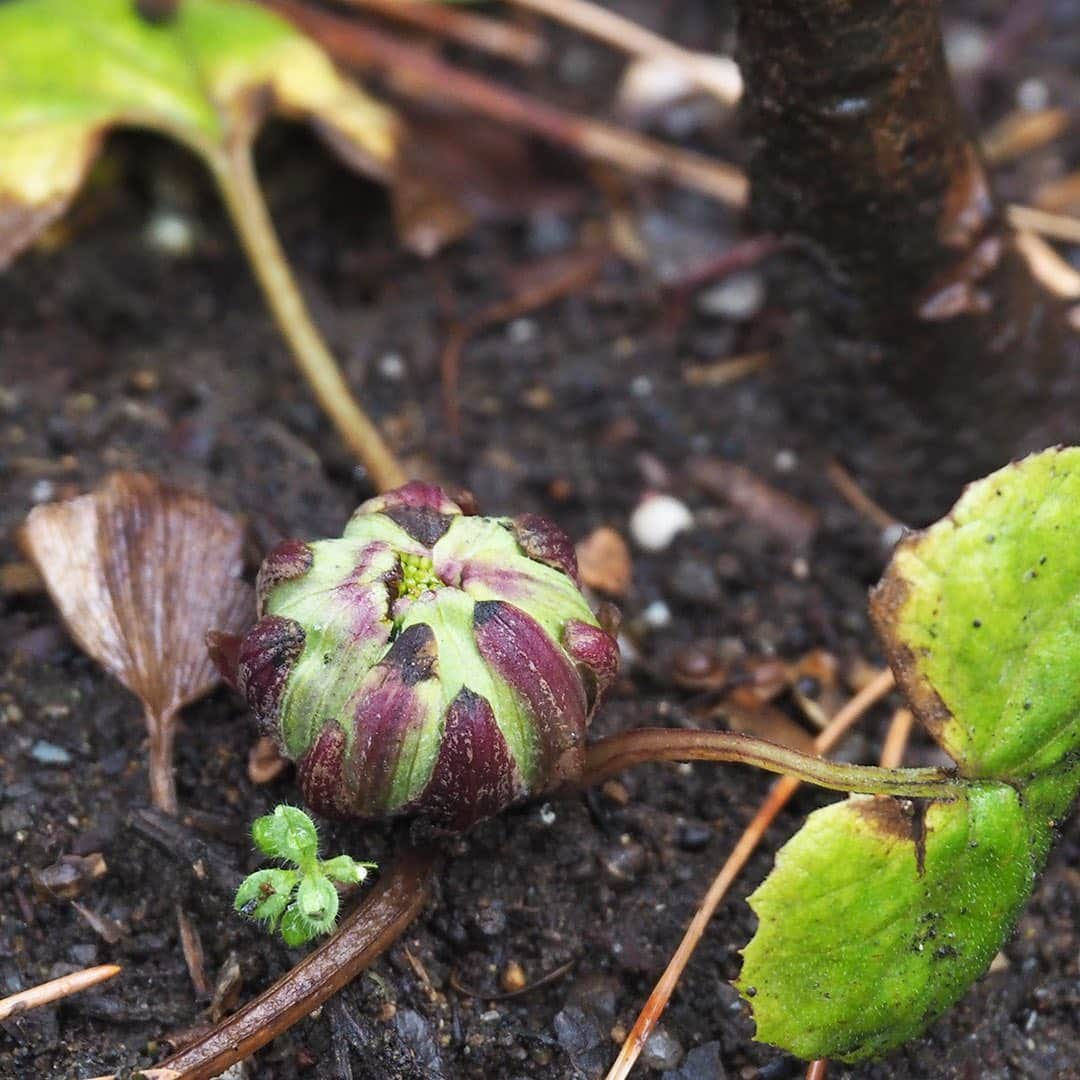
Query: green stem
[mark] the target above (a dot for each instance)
(628, 748)
(239, 187)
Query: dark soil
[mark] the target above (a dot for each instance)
(116, 356)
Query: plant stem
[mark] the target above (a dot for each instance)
(162, 731)
(364, 935)
(239, 186)
(628, 748)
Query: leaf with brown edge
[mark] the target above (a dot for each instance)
(140, 571)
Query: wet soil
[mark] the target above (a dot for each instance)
(115, 355)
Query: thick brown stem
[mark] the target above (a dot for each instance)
(369, 931)
(858, 145)
(162, 731)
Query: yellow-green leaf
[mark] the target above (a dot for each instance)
(70, 69)
(877, 917)
(980, 618)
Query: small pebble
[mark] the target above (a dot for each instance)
(967, 46)
(657, 520)
(1032, 95)
(662, 1050)
(392, 367)
(48, 753)
(513, 978)
(521, 331)
(491, 921)
(170, 233)
(738, 298)
(656, 615)
(785, 461)
(547, 815)
(701, 1063)
(693, 835)
(641, 386)
(624, 861)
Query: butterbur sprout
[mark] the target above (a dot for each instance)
(428, 662)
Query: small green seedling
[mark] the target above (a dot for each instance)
(301, 902)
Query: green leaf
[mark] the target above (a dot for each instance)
(346, 869)
(980, 617)
(317, 900)
(296, 929)
(879, 913)
(287, 833)
(266, 894)
(874, 922)
(70, 69)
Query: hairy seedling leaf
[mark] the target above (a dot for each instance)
(346, 869)
(879, 914)
(288, 833)
(318, 900)
(266, 894)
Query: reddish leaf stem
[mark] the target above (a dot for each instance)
(628, 748)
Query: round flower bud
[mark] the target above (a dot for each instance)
(428, 662)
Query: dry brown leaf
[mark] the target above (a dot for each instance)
(604, 561)
(140, 571)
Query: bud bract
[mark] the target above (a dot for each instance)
(428, 662)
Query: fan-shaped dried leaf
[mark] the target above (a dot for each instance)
(140, 571)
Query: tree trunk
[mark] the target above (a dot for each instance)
(859, 149)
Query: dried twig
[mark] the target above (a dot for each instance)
(774, 802)
(56, 989)
(718, 75)
(896, 740)
(856, 498)
(1047, 266)
(465, 27)
(417, 74)
(582, 269)
(1056, 226)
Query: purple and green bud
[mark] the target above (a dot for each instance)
(428, 662)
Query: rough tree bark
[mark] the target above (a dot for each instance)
(858, 147)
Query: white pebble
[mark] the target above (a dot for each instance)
(657, 615)
(641, 386)
(785, 461)
(170, 233)
(521, 331)
(547, 815)
(42, 491)
(1032, 95)
(392, 367)
(657, 520)
(738, 298)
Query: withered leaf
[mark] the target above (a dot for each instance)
(140, 571)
